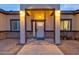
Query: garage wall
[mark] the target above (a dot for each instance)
(76, 22)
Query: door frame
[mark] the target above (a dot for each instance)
(36, 26)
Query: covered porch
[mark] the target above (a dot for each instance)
(38, 24)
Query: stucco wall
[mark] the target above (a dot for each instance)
(70, 16)
(2, 22)
(9, 17)
(49, 23)
(76, 22)
(28, 23)
(5, 21)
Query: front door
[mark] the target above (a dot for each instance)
(40, 30)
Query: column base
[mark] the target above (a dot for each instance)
(21, 43)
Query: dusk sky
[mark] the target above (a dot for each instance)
(10, 7)
(69, 6)
(14, 7)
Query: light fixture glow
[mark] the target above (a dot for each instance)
(57, 17)
(39, 16)
(57, 12)
(22, 13)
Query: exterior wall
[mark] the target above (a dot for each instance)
(5, 25)
(49, 35)
(71, 17)
(76, 20)
(9, 17)
(28, 23)
(12, 35)
(2, 22)
(5, 21)
(49, 22)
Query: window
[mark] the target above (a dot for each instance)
(15, 25)
(65, 25)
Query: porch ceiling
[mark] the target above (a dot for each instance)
(47, 12)
(41, 14)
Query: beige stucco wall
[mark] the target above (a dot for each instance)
(76, 20)
(70, 16)
(5, 21)
(2, 22)
(49, 23)
(28, 23)
(9, 17)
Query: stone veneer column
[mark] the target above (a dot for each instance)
(57, 27)
(22, 27)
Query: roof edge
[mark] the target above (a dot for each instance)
(62, 12)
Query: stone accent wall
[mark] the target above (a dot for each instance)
(16, 35)
(49, 34)
(9, 35)
(68, 35)
(3, 35)
(13, 35)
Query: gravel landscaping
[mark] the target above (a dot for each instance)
(9, 46)
(69, 47)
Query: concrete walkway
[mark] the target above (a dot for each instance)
(70, 47)
(43, 48)
(9, 46)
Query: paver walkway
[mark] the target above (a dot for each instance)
(40, 48)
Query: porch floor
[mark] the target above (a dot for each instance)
(40, 47)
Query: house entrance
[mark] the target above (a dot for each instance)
(38, 29)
